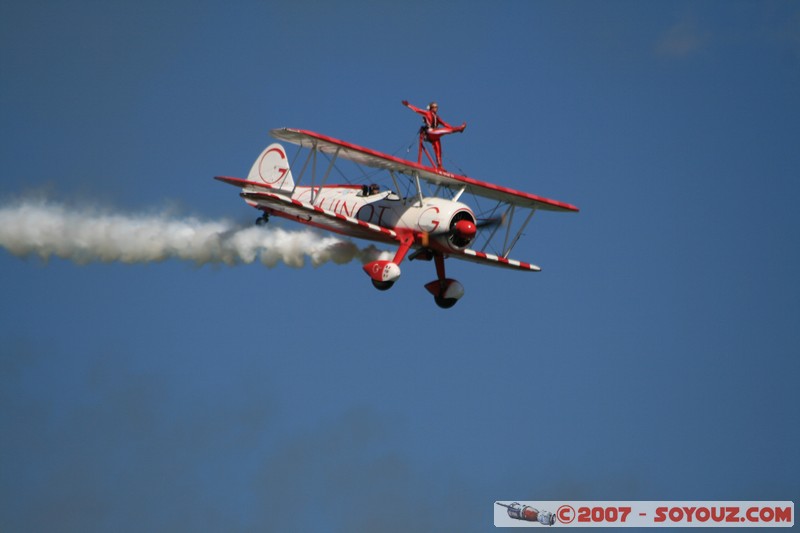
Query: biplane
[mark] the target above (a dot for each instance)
(431, 226)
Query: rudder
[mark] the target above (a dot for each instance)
(272, 169)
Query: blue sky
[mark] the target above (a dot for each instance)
(655, 356)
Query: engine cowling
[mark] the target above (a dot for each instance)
(450, 224)
(460, 231)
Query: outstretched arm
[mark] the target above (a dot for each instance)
(413, 107)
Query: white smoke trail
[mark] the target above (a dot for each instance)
(87, 235)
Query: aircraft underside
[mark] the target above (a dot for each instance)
(384, 273)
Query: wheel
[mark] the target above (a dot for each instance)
(382, 285)
(445, 303)
(263, 219)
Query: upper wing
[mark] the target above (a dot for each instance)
(313, 215)
(372, 158)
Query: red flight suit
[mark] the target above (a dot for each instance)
(433, 129)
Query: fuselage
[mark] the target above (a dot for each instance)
(433, 217)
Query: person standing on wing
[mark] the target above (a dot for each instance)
(433, 129)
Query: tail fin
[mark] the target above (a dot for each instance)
(272, 168)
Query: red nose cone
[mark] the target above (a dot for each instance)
(466, 229)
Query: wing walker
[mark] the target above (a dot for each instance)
(429, 227)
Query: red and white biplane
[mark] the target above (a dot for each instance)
(435, 226)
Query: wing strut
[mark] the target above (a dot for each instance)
(459, 193)
(419, 188)
(302, 171)
(508, 229)
(397, 185)
(510, 239)
(327, 173)
(497, 227)
(313, 171)
(519, 233)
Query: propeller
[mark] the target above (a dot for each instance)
(491, 222)
(463, 229)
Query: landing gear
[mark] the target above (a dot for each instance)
(383, 274)
(445, 303)
(446, 292)
(382, 285)
(263, 219)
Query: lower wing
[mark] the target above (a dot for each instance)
(493, 260)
